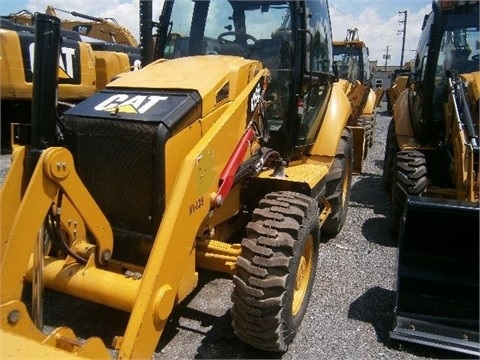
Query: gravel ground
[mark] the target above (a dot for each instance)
(350, 313)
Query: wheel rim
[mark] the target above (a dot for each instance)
(304, 273)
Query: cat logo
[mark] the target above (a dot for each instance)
(65, 61)
(82, 29)
(133, 104)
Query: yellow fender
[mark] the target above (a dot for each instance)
(403, 126)
(369, 108)
(336, 118)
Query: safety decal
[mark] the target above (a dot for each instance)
(256, 96)
(196, 205)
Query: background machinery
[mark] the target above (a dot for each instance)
(105, 29)
(86, 64)
(398, 83)
(379, 92)
(431, 170)
(201, 159)
(351, 57)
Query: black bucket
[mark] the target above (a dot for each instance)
(437, 300)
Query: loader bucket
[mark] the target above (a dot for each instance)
(437, 276)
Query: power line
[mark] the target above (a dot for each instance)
(356, 21)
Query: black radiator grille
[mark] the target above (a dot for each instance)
(115, 160)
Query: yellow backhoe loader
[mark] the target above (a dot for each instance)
(431, 171)
(230, 152)
(351, 57)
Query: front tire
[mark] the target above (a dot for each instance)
(369, 125)
(276, 270)
(411, 179)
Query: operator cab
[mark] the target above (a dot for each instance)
(454, 35)
(353, 64)
(292, 40)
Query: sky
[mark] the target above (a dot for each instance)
(380, 23)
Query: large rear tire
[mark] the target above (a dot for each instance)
(389, 160)
(411, 179)
(276, 270)
(339, 184)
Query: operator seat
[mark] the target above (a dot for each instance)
(461, 63)
(233, 48)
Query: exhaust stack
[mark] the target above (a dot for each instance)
(45, 84)
(146, 37)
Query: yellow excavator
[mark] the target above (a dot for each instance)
(230, 152)
(104, 29)
(85, 66)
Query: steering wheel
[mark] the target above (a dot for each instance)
(222, 40)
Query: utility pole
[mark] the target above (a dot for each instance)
(386, 57)
(404, 31)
